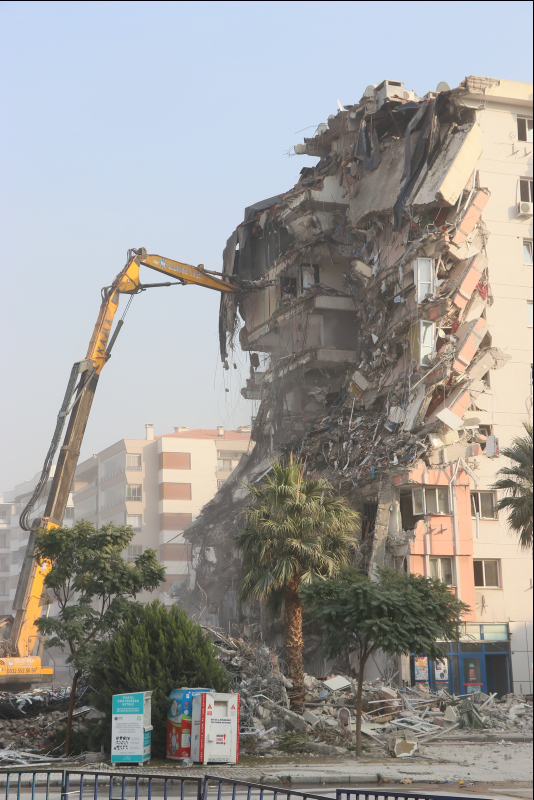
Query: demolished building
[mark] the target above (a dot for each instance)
(377, 342)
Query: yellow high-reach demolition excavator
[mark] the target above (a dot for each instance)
(20, 654)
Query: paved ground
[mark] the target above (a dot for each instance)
(498, 770)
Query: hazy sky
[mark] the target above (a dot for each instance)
(128, 124)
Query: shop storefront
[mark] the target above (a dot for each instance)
(478, 662)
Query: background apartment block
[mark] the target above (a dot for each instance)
(158, 486)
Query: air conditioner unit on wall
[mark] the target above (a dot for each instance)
(525, 209)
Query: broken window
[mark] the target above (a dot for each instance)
(442, 570)
(133, 462)
(483, 504)
(288, 286)
(310, 276)
(134, 492)
(368, 512)
(524, 129)
(424, 277)
(526, 190)
(527, 252)
(487, 572)
(430, 500)
(422, 341)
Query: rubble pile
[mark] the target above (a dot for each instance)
(32, 703)
(30, 734)
(398, 720)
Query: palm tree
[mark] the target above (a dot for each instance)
(295, 532)
(516, 484)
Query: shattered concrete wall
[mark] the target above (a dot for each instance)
(371, 323)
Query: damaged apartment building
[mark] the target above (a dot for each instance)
(389, 348)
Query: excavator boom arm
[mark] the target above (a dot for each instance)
(29, 599)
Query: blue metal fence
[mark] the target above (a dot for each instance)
(213, 790)
(52, 784)
(83, 785)
(384, 794)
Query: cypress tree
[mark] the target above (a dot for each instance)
(155, 650)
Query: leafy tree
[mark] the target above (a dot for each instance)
(295, 531)
(516, 484)
(160, 650)
(397, 613)
(94, 586)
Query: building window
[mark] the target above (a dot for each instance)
(487, 573)
(524, 129)
(88, 507)
(529, 314)
(135, 521)
(220, 483)
(3, 540)
(424, 278)
(133, 551)
(527, 252)
(113, 466)
(288, 287)
(427, 340)
(69, 512)
(483, 504)
(133, 493)
(224, 464)
(431, 500)
(232, 454)
(441, 568)
(3, 588)
(526, 190)
(133, 462)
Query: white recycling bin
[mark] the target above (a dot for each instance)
(215, 728)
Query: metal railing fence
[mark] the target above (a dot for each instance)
(385, 794)
(213, 790)
(93, 785)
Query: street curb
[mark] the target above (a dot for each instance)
(481, 738)
(325, 780)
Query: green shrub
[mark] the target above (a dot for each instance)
(155, 650)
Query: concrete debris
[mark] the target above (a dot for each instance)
(403, 746)
(22, 741)
(34, 702)
(398, 720)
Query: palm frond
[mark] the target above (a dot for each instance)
(516, 485)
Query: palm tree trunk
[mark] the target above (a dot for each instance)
(294, 641)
